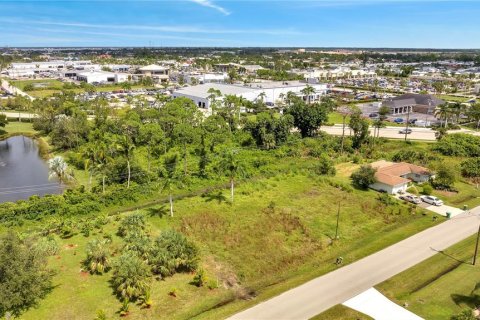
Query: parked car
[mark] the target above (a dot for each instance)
(398, 120)
(432, 200)
(373, 115)
(411, 198)
(407, 131)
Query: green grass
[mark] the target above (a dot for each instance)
(440, 286)
(340, 312)
(51, 83)
(249, 247)
(20, 127)
(467, 194)
(447, 97)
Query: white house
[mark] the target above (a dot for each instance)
(394, 177)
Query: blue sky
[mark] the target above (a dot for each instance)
(295, 23)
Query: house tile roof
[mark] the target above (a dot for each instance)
(391, 173)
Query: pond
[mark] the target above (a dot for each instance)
(23, 172)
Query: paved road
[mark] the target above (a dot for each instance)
(320, 294)
(393, 132)
(14, 90)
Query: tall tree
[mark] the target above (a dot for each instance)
(171, 177)
(233, 167)
(360, 128)
(24, 277)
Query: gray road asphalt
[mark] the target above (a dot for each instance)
(322, 293)
(426, 134)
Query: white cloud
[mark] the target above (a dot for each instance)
(210, 4)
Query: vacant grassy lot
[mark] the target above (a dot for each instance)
(440, 286)
(276, 235)
(48, 87)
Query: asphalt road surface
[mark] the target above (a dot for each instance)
(426, 134)
(322, 293)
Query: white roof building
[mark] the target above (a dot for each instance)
(272, 91)
(102, 77)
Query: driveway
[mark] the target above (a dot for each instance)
(379, 307)
(322, 293)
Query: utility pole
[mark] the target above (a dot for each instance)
(476, 247)
(408, 119)
(338, 218)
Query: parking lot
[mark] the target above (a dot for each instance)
(369, 108)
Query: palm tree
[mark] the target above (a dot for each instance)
(59, 169)
(130, 278)
(233, 167)
(98, 256)
(213, 94)
(443, 112)
(125, 146)
(171, 177)
(308, 91)
(345, 111)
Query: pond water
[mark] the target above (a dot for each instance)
(22, 172)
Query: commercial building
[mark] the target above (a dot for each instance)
(102, 77)
(411, 102)
(270, 92)
(158, 73)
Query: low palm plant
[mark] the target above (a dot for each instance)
(98, 256)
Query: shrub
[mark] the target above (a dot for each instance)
(413, 190)
(130, 277)
(199, 279)
(325, 166)
(471, 168)
(462, 145)
(134, 223)
(446, 176)
(47, 246)
(171, 253)
(98, 256)
(427, 189)
(363, 177)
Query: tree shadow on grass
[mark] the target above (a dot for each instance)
(158, 212)
(215, 196)
(450, 256)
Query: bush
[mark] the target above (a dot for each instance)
(471, 168)
(461, 145)
(413, 190)
(446, 176)
(132, 224)
(325, 166)
(199, 279)
(98, 256)
(363, 177)
(427, 189)
(171, 253)
(130, 277)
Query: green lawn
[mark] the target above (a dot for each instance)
(340, 312)
(39, 83)
(277, 235)
(20, 127)
(440, 286)
(467, 194)
(447, 97)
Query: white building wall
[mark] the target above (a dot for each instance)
(378, 186)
